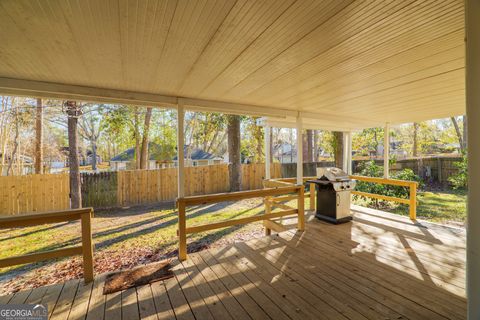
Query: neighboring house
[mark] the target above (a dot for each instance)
(89, 158)
(160, 158)
(22, 164)
(287, 153)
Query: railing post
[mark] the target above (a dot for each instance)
(268, 209)
(312, 196)
(87, 246)
(413, 201)
(182, 226)
(301, 208)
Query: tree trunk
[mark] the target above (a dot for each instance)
(144, 151)
(315, 145)
(94, 154)
(271, 145)
(415, 139)
(38, 137)
(73, 112)
(309, 146)
(233, 146)
(15, 144)
(338, 148)
(137, 139)
(459, 134)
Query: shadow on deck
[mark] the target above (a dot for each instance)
(380, 266)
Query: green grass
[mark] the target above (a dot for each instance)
(442, 207)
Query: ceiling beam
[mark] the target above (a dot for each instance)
(38, 89)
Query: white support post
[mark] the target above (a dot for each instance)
(349, 152)
(472, 28)
(299, 127)
(180, 150)
(268, 156)
(345, 152)
(386, 151)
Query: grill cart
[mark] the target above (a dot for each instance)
(333, 195)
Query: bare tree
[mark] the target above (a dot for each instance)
(309, 135)
(416, 126)
(146, 128)
(73, 111)
(137, 138)
(234, 157)
(338, 148)
(459, 134)
(39, 137)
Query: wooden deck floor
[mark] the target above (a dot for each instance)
(381, 266)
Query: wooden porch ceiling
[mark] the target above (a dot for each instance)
(380, 266)
(370, 61)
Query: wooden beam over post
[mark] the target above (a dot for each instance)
(299, 151)
(180, 150)
(386, 151)
(268, 156)
(472, 32)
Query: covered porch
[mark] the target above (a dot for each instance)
(380, 266)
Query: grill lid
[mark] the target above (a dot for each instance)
(332, 174)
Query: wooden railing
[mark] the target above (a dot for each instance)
(291, 181)
(411, 201)
(183, 203)
(28, 220)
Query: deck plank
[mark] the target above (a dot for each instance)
(253, 309)
(256, 294)
(96, 307)
(146, 306)
(65, 301)
(375, 271)
(213, 303)
(196, 302)
(81, 301)
(225, 296)
(179, 303)
(162, 302)
(113, 305)
(130, 304)
(20, 297)
(51, 297)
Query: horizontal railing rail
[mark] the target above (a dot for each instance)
(183, 203)
(85, 215)
(411, 201)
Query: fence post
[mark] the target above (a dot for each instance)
(301, 208)
(312, 196)
(87, 246)
(182, 226)
(413, 201)
(268, 209)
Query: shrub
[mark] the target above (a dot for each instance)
(459, 180)
(371, 169)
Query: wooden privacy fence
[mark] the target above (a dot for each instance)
(34, 193)
(86, 248)
(411, 201)
(183, 203)
(150, 186)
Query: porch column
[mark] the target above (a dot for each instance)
(386, 151)
(268, 156)
(299, 127)
(349, 152)
(472, 32)
(180, 150)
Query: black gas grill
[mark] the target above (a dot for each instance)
(333, 195)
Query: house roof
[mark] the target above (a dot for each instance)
(156, 153)
(337, 64)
